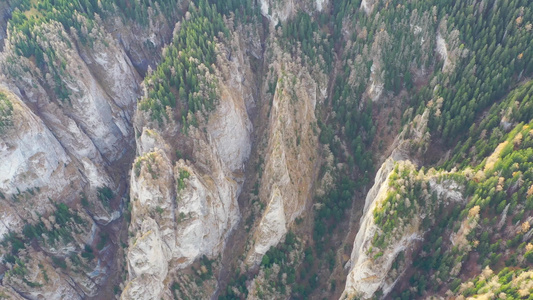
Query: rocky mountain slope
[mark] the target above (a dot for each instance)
(67, 137)
(265, 150)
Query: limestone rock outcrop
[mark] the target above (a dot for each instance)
(370, 266)
(184, 208)
(281, 11)
(291, 152)
(69, 134)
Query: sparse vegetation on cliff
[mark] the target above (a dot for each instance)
(6, 113)
(260, 125)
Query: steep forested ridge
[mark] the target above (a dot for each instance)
(185, 69)
(254, 149)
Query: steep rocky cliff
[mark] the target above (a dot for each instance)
(377, 248)
(291, 152)
(5, 12)
(65, 141)
(280, 11)
(265, 149)
(185, 208)
(370, 268)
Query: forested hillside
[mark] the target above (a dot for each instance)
(260, 149)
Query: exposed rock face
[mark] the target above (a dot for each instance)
(73, 130)
(94, 123)
(59, 285)
(281, 11)
(185, 209)
(413, 141)
(321, 4)
(148, 263)
(291, 153)
(5, 13)
(448, 46)
(369, 271)
(63, 147)
(9, 293)
(366, 276)
(35, 158)
(368, 5)
(443, 52)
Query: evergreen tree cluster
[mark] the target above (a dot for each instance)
(499, 192)
(6, 112)
(76, 17)
(63, 10)
(499, 37)
(500, 195)
(245, 11)
(180, 80)
(333, 208)
(483, 137)
(315, 44)
(67, 223)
